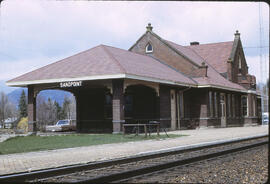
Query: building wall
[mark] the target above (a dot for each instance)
(164, 53)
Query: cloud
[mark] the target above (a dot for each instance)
(34, 33)
(10, 70)
(59, 26)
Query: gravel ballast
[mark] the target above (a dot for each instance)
(250, 166)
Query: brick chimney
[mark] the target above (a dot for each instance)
(194, 43)
(203, 68)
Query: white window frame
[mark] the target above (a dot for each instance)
(146, 48)
(242, 105)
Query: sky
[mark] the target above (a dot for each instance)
(34, 33)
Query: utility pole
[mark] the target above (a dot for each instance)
(263, 69)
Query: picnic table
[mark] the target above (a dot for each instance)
(147, 127)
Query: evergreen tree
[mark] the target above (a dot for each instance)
(66, 108)
(58, 110)
(23, 105)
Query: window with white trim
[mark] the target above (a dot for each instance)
(244, 105)
(149, 48)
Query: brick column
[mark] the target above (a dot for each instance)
(31, 109)
(117, 105)
(78, 110)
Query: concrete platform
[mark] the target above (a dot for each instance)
(14, 163)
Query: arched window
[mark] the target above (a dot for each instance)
(149, 48)
(239, 62)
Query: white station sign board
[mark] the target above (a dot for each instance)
(70, 84)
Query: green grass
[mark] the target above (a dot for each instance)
(21, 144)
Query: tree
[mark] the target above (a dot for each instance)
(3, 107)
(23, 105)
(7, 109)
(66, 113)
(51, 111)
(58, 110)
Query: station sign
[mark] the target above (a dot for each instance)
(70, 84)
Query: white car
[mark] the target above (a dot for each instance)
(62, 125)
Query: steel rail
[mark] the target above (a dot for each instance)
(51, 172)
(158, 167)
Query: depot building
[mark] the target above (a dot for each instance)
(199, 85)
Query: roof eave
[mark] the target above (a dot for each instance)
(97, 77)
(48, 81)
(223, 87)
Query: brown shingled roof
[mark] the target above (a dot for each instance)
(104, 60)
(215, 54)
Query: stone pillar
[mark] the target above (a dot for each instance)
(117, 105)
(31, 109)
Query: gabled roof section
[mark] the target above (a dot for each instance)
(184, 52)
(187, 52)
(215, 54)
(103, 62)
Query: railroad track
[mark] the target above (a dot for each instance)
(123, 168)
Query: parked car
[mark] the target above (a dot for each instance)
(62, 125)
(265, 117)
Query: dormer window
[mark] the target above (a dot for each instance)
(149, 48)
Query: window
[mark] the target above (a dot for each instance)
(229, 105)
(244, 105)
(181, 104)
(239, 62)
(216, 105)
(149, 48)
(211, 104)
(233, 106)
(254, 105)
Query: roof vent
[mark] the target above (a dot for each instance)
(194, 43)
